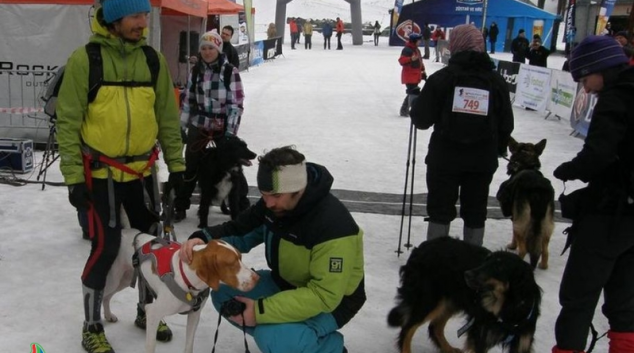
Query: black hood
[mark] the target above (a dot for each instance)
(472, 60)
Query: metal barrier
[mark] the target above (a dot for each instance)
(21, 109)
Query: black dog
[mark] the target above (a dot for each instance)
(496, 291)
(220, 176)
(529, 198)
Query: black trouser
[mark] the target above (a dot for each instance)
(492, 47)
(339, 46)
(196, 142)
(426, 56)
(327, 40)
(308, 43)
(376, 39)
(407, 102)
(293, 39)
(444, 187)
(601, 259)
(107, 240)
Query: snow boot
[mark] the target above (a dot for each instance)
(405, 107)
(621, 342)
(163, 333)
(437, 230)
(473, 236)
(93, 339)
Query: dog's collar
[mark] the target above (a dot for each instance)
(185, 279)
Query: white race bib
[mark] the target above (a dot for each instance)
(470, 101)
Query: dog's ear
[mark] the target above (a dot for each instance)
(513, 145)
(205, 264)
(540, 146)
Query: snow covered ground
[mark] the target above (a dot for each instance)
(340, 108)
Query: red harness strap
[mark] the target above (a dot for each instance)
(162, 256)
(89, 158)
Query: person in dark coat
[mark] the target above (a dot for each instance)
(326, 31)
(537, 54)
(493, 35)
(231, 53)
(601, 259)
(426, 38)
(463, 156)
(519, 47)
(413, 71)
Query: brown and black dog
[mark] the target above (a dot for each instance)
(445, 277)
(529, 199)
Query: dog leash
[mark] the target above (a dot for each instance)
(244, 332)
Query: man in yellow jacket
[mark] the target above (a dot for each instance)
(107, 135)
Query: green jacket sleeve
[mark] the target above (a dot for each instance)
(72, 102)
(166, 111)
(332, 272)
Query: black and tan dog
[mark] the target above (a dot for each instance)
(529, 199)
(496, 291)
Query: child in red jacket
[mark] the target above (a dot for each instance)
(413, 71)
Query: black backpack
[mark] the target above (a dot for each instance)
(469, 115)
(95, 77)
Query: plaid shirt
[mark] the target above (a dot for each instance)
(215, 109)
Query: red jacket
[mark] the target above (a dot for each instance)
(339, 26)
(412, 69)
(293, 26)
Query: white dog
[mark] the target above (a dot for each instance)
(213, 263)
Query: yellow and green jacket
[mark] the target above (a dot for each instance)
(121, 121)
(315, 254)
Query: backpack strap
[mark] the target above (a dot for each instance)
(227, 75)
(95, 70)
(153, 62)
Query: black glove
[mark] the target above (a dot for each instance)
(79, 196)
(176, 181)
(564, 172)
(203, 234)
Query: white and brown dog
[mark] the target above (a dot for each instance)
(213, 264)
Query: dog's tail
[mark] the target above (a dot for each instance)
(398, 316)
(541, 202)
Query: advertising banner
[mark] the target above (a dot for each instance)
(396, 12)
(533, 87)
(604, 15)
(569, 23)
(582, 111)
(563, 90)
(509, 71)
(257, 56)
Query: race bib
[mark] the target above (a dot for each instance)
(470, 100)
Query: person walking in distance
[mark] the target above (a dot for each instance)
(601, 258)
(326, 31)
(107, 135)
(437, 36)
(294, 32)
(412, 71)
(377, 33)
(426, 38)
(308, 35)
(466, 142)
(314, 248)
(493, 35)
(339, 29)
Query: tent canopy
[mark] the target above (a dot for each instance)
(224, 7)
(196, 8)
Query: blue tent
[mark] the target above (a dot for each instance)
(509, 15)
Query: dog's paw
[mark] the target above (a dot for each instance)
(111, 317)
(543, 266)
(511, 246)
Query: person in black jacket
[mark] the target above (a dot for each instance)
(231, 54)
(519, 47)
(493, 35)
(464, 147)
(601, 255)
(537, 53)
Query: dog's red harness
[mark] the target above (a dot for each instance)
(162, 257)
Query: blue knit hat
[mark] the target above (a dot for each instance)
(415, 36)
(595, 54)
(116, 9)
